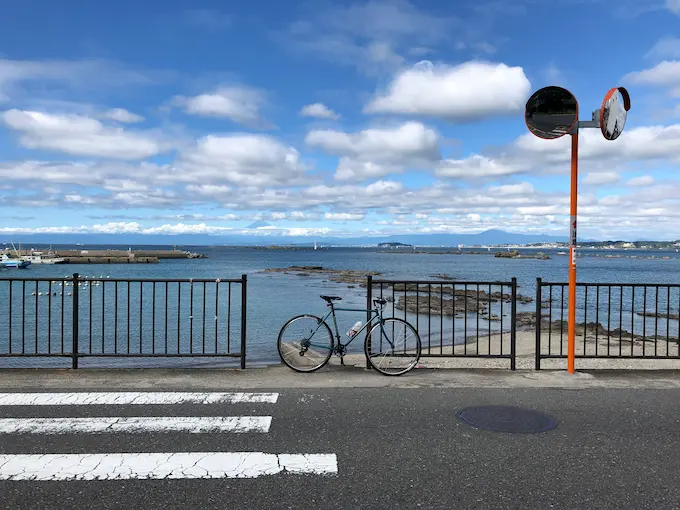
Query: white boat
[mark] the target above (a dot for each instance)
(36, 257)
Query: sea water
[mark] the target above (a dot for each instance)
(274, 297)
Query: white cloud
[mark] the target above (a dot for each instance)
(372, 35)
(238, 103)
(210, 190)
(79, 75)
(647, 210)
(373, 153)
(181, 228)
(531, 154)
(124, 116)
(306, 232)
(665, 74)
(601, 178)
(121, 228)
(667, 47)
(673, 6)
(475, 167)
(319, 111)
(642, 180)
(344, 216)
(524, 188)
(469, 91)
(81, 136)
(241, 159)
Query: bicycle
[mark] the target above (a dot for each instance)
(312, 347)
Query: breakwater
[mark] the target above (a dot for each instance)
(113, 256)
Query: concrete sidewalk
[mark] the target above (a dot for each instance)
(328, 377)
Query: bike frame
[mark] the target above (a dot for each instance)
(375, 313)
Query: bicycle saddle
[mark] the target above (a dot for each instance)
(380, 301)
(330, 298)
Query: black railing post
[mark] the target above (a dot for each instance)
(244, 314)
(513, 323)
(369, 301)
(74, 314)
(539, 297)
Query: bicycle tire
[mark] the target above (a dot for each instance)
(325, 359)
(418, 347)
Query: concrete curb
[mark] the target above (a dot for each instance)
(329, 377)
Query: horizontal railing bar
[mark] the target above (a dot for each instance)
(133, 280)
(438, 282)
(604, 356)
(120, 355)
(38, 279)
(36, 355)
(453, 356)
(584, 284)
(161, 355)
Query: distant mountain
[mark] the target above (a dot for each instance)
(258, 224)
(489, 237)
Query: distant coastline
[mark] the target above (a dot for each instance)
(253, 236)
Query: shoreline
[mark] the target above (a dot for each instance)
(525, 351)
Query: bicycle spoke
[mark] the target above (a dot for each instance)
(394, 348)
(305, 343)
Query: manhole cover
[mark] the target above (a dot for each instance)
(507, 419)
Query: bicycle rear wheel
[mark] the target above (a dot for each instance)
(305, 343)
(393, 349)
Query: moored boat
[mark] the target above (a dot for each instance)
(10, 263)
(36, 257)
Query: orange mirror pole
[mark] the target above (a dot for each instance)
(571, 316)
(541, 119)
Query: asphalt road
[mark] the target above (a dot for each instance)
(395, 448)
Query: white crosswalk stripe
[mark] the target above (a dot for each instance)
(47, 466)
(125, 466)
(191, 424)
(133, 398)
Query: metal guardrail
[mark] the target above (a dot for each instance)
(624, 321)
(454, 319)
(79, 317)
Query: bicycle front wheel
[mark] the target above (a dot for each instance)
(393, 346)
(305, 343)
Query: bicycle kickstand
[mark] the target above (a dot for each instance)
(342, 360)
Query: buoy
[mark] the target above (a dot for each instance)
(39, 293)
(32, 293)
(68, 294)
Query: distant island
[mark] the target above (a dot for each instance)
(394, 245)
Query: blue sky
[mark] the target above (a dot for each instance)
(332, 118)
